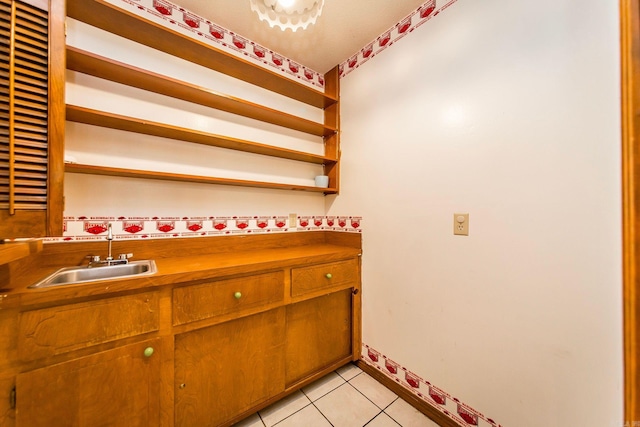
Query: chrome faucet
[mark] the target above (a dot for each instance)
(109, 239)
(94, 260)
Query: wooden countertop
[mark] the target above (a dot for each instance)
(232, 257)
(14, 250)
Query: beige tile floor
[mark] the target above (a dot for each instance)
(347, 397)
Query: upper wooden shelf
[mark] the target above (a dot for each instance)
(169, 176)
(105, 68)
(117, 21)
(14, 250)
(131, 124)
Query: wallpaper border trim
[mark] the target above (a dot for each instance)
(92, 228)
(455, 410)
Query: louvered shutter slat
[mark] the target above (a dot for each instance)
(23, 107)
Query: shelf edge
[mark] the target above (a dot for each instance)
(169, 176)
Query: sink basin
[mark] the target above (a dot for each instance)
(72, 275)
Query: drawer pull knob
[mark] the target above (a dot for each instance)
(328, 275)
(148, 351)
(183, 385)
(237, 295)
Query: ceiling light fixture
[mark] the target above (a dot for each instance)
(292, 14)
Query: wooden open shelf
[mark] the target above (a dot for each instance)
(166, 176)
(131, 124)
(117, 21)
(109, 69)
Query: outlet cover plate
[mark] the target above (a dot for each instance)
(461, 224)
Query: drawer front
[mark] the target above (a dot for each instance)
(313, 278)
(198, 302)
(57, 330)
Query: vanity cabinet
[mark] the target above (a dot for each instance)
(208, 340)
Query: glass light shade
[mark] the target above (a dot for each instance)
(288, 14)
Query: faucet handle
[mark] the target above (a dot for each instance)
(93, 259)
(125, 256)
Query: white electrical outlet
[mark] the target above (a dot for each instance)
(461, 224)
(293, 221)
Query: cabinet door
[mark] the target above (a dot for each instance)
(224, 370)
(119, 387)
(56, 330)
(318, 334)
(7, 412)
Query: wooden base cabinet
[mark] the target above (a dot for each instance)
(224, 370)
(206, 341)
(119, 387)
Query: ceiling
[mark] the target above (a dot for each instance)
(344, 27)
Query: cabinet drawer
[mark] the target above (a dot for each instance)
(316, 277)
(57, 330)
(198, 302)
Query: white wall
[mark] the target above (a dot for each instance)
(508, 111)
(108, 196)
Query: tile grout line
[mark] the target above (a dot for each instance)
(371, 420)
(322, 413)
(346, 381)
(314, 404)
(290, 415)
(374, 404)
(333, 389)
(261, 420)
(311, 402)
(381, 410)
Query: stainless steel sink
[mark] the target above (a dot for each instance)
(72, 275)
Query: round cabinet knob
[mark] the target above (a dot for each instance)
(328, 275)
(148, 351)
(183, 385)
(237, 295)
